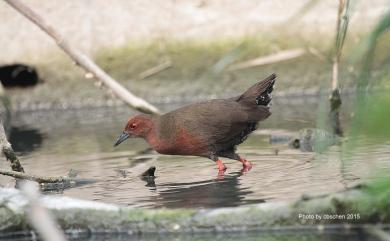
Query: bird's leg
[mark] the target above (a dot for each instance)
(246, 165)
(221, 167)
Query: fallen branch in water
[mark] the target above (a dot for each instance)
(83, 60)
(155, 70)
(269, 59)
(8, 152)
(17, 168)
(35, 178)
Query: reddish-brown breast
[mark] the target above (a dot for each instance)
(167, 138)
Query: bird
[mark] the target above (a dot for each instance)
(211, 129)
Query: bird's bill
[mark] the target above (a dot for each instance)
(124, 136)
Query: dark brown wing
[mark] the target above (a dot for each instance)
(222, 124)
(259, 93)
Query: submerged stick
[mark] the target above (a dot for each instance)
(35, 178)
(17, 168)
(83, 60)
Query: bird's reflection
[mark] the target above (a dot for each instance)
(150, 182)
(211, 193)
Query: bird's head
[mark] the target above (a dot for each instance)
(137, 126)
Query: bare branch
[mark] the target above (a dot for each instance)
(8, 152)
(155, 70)
(35, 178)
(83, 60)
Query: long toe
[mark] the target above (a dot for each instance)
(245, 169)
(221, 174)
(221, 166)
(246, 166)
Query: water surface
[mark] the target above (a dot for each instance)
(53, 142)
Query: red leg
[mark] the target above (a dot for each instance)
(221, 170)
(246, 165)
(221, 166)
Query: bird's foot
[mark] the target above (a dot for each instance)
(221, 170)
(246, 166)
(221, 175)
(221, 167)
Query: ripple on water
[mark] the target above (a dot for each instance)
(278, 173)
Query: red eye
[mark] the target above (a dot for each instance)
(132, 126)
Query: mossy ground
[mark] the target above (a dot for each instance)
(367, 205)
(194, 71)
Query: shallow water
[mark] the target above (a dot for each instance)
(53, 142)
(308, 236)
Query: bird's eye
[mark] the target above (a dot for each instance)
(133, 126)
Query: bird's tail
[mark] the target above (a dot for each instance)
(259, 93)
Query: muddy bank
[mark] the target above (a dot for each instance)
(347, 208)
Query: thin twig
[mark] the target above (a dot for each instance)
(17, 168)
(83, 60)
(155, 70)
(318, 54)
(270, 59)
(35, 178)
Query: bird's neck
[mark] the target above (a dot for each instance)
(159, 138)
(152, 138)
(150, 134)
(156, 142)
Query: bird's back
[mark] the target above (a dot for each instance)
(218, 124)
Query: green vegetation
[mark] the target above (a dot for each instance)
(372, 115)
